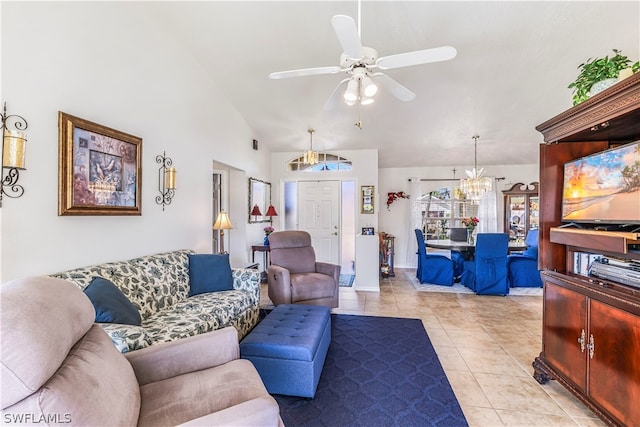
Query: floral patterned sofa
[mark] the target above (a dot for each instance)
(158, 286)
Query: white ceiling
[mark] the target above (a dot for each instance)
(515, 60)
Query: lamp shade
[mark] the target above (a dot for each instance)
(310, 157)
(271, 211)
(351, 93)
(369, 88)
(365, 100)
(14, 149)
(256, 211)
(170, 178)
(222, 222)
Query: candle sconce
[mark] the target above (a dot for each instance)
(166, 180)
(13, 151)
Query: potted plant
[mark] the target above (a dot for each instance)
(598, 69)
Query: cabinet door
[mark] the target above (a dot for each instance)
(614, 369)
(565, 318)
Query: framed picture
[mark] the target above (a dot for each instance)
(367, 231)
(366, 194)
(99, 169)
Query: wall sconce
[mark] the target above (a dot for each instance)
(222, 223)
(166, 180)
(13, 151)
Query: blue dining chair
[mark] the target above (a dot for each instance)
(458, 265)
(486, 274)
(523, 268)
(432, 269)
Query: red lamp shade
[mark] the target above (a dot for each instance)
(271, 211)
(256, 211)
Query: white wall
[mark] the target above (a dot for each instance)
(395, 221)
(108, 63)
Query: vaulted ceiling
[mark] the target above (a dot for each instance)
(514, 62)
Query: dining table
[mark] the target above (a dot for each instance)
(467, 248)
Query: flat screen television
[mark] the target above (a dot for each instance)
(603, 188)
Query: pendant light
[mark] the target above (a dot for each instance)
(476, 184)
(310, 156)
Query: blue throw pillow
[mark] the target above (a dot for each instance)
(111, 305)
(209, 273)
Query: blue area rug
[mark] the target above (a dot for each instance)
(346, 280)
(380, 371)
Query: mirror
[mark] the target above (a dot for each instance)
(260, 197)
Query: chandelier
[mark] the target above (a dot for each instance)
(477, 184)
(310, 156)
(360, 87)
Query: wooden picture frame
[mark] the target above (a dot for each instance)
(99, 169)
(367, 199)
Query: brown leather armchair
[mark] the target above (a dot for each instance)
(295, 277)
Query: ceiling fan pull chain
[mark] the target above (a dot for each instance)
(358, 124)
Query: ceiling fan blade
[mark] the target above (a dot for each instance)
(335, 96)
(417, 57)
(347, 32)
(399, 91)
(305, 72)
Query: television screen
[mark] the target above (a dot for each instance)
(603, 187)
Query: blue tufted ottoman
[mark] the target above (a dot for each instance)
(288, 348)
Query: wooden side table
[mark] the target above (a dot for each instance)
(265, 253)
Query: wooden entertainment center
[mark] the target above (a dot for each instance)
(591, 326)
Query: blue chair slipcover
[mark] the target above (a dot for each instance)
(458, 265)
(486, 274)
(523, 268)
(433, 269)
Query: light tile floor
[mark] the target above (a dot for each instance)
(485, 344)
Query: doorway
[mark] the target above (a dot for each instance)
(216, 207)
(327, 211)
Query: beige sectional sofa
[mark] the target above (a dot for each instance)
(58, 367)
(158, 286)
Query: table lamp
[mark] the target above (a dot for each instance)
(222, 223)
(256, 212)
(271, 212)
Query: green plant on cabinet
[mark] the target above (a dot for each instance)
(597, 69)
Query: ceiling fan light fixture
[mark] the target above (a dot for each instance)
(351, 94)
(366, 100)
(369, 88)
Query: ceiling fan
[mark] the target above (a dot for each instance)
(361, 63)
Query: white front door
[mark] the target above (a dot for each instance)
(319, 215)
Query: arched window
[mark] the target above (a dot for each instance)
(326, 162)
